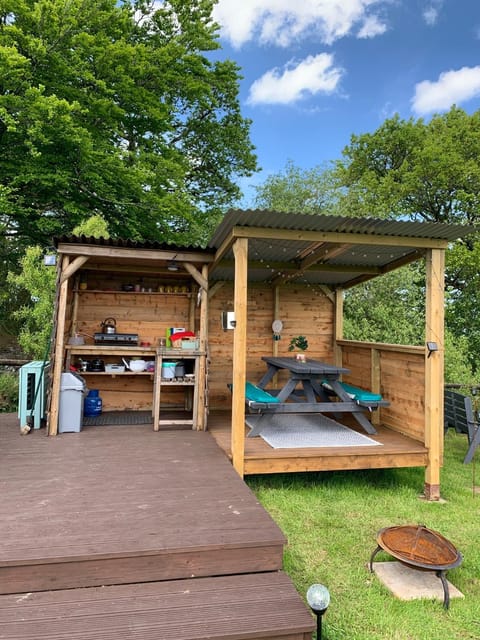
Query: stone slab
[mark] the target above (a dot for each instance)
(411, 584)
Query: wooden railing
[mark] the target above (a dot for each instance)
(395, 371)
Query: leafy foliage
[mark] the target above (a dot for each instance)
(387, 309)
(298, 342)
(38, 281)
(118, 109)
(297, 190)
(429, 172)
(8, 392)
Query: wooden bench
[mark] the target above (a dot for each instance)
(362, 397)
(459, 415)
(264, 403)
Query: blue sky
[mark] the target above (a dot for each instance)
(317, 71)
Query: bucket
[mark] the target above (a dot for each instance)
(179, 369)
(168, 370)
(92, 405)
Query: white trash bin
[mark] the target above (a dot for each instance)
(72, 392)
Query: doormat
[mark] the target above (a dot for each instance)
(118, 417)
(298, 431)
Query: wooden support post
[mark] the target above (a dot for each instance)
(59, 348)
(240, 250)
(375, 375)
(202, 396)
(338, 327)
(434, 370)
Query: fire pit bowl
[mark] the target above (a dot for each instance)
(420, 548)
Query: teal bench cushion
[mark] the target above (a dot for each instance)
(255, 394)
(358, 394)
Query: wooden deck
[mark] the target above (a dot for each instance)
(397, 450)
(156, 516)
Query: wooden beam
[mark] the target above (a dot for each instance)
(276, 316)
(196, 275)
(338, 327)
(317, 254)
(375, 383)
(240, 250)
(221, 251)
(73, 267)
(288, 268)
(322, 253)
(391, 266)
(338, 237)
(59, 352)
(132, 253)
(434, 370)
(213, 288)
(202, 395)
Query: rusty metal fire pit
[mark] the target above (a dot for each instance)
(420, 548)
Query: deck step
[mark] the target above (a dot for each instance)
(264, 606)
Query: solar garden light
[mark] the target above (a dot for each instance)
(318, 598)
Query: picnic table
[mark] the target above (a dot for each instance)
(310, 388)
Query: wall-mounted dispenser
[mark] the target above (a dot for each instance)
(228, 320)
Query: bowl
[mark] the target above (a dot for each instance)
(137, 365)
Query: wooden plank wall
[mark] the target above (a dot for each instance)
(148, 314)
(402, 376)
(302, 311)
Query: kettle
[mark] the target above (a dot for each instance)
(109, 325)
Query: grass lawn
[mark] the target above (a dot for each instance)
(331, 520)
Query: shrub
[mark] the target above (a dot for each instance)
(8, 392)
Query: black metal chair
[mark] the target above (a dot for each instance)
(459, 415)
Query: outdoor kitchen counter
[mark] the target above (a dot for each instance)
(106, 350)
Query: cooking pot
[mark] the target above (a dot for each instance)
(96, 365)
(109, 325)
(135, 365)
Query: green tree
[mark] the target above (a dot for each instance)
(34, 288)
(297, 190)
(35, 315)
(118, 109)
(387, 309)
(430, 172)
(416, 170)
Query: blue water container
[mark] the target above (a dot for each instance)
(92, 405)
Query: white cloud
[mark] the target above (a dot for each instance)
(432, 11)
(372, 27)
(452, 87)
(314, 74)
(281, 22)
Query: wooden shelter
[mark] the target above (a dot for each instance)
(261, 266)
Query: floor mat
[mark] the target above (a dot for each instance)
(295, 431)
(118, 417)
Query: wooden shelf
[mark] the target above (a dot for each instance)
(116, 373)
(110, 350)
(136, 293)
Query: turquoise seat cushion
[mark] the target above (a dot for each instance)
(368, 397)
(255, 394)
(361, 395)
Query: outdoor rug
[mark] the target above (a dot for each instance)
(297, 431)
(118, 417)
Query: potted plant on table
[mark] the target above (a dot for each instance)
(300, 343)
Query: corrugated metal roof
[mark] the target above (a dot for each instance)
(275, 258)
(126, 243)
(335, 224)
